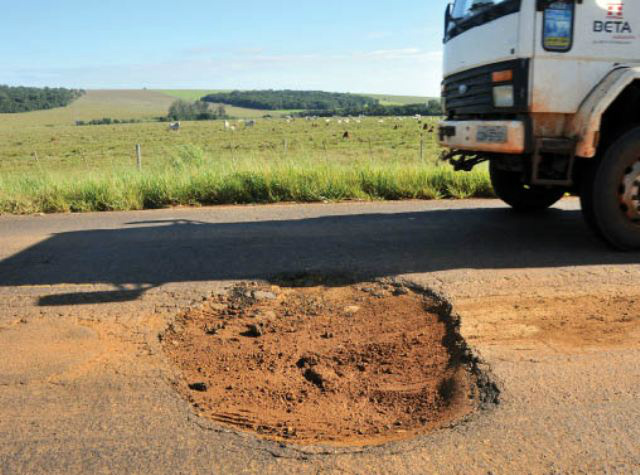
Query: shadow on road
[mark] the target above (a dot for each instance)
(143, 255)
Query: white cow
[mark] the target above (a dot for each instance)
(175, 126)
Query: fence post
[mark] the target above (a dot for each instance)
(139, 156)
(286, 146)
(35, 156)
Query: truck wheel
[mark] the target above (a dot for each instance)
(611, 193)
(527, 199)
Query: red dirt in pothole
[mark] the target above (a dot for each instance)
(350, 365)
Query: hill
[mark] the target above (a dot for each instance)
(96, 104)
(138, 104)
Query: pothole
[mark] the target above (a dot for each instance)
(313, 361)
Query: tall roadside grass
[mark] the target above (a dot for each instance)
(189, 177)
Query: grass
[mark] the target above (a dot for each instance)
(190, 94)
(49, 165)
(212, 184)
(391, 100)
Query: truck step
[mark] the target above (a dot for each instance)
(553, 162)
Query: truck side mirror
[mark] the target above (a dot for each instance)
(447, 22)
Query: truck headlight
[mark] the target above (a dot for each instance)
(503, 96)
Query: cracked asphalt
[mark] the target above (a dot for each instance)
(85, 387)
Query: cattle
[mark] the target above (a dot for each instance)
(249, 123)
(174, 126)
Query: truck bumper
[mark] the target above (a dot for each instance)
(498, 136)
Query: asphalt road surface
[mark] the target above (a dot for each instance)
(85, 387)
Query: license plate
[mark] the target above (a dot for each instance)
(492, 134)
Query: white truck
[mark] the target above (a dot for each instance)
(548, 92)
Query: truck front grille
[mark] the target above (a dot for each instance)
(471, 92)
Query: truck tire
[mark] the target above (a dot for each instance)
(509, 188)
(610, 193)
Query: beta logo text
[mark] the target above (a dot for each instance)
(615, 22)
(622, 27)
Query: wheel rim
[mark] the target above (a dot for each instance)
(630, 193)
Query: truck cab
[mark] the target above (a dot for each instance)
(548, 92)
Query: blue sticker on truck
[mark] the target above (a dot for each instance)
(558, 26)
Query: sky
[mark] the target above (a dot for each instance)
(391, 47)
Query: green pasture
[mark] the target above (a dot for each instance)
(47, 164)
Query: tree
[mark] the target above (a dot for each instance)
(183, 110)
(25, 99)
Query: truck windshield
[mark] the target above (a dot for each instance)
(467, 8)
(467, 14)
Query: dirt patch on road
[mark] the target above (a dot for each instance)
(343, 364)
(575, 323)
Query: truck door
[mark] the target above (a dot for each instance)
(577, 42)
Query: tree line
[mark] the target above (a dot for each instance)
(199, 110)
(432, 108)
(108, 121)
(288, 100)
(26, 99)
